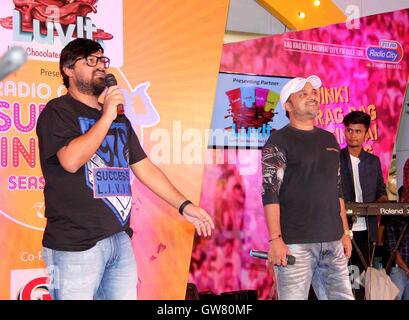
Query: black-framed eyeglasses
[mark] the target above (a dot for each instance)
(93, 60)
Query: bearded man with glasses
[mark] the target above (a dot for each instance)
(86, 151)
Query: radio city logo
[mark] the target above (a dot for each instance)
(29, 284)
(54, 23)
(388, 51)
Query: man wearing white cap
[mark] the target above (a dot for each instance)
(302, 198)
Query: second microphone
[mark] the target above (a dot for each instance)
(264, 255)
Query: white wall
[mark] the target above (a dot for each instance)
(248, 16)
(370, 7)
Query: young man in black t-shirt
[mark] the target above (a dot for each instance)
(86, 151)
(303, 204)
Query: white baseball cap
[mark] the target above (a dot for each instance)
(297, 84)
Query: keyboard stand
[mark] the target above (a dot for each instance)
(360, 255)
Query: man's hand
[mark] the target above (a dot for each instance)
(201, 220)
(113, 97)
(277, 253)
(347, 244)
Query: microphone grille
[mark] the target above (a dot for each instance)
(110, 80)
(12, 60)
(15, 56)
(290, 260)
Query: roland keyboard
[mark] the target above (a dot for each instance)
(375, 209)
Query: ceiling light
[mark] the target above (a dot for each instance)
(317, 3)
(301, 14)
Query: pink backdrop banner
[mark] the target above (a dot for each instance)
(362, 69)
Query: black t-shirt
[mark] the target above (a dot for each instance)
(301, 173)
(95, 202)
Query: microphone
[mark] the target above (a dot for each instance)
(264, 255)
(13, 59)
(110, 81)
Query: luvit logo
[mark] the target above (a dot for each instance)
(42, 20)
(51, 24)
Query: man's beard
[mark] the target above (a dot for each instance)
(313, 112)
(307, 113)
(94, 87)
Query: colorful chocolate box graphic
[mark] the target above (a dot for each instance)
(251, 106)
(246, 110)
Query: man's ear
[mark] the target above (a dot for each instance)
(288, 106)
(68, 71)
(366, 135)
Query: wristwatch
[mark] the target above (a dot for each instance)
(348, 233)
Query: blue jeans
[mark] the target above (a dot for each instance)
(106, 271)
(401, 280)
(322, 264)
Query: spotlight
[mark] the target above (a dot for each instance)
(317, 3)
(301, 14)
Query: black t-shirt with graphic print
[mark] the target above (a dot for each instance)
(301, 173)
(95, 202)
